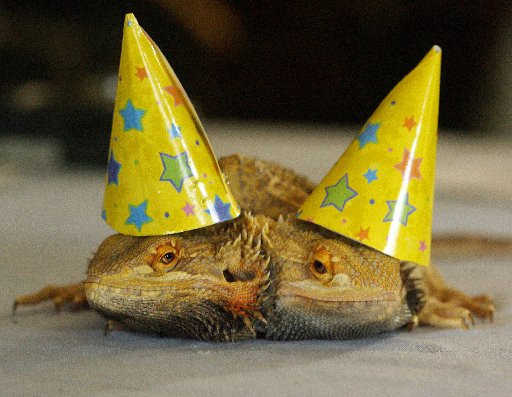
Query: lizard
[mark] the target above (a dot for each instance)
(198, 284)
(345, 267)
(364, 292)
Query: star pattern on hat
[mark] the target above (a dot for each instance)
(415, 166)
(132, 117)
(174, 130)
(399, 210)
(423, 246)
(188, 209)
(409, 123)
(220, 211)
(175, 169)
(363, 234)
(370, 175)
(141, 73)
(169, 171)
(369, 135)
(175, 93)
(338, 194)
(113, 168)
(138, 216)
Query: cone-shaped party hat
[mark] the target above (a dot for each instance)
(162, 176)
(381, 190)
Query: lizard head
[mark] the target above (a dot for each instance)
(325, 285)
(203, 284)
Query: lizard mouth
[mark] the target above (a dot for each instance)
(317, 292)
(175, 304)
(170, 284)
(309, 310)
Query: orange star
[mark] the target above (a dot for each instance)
(175, 93)
(415, 166)
(141, 73)
(363, 234)
(409, 122)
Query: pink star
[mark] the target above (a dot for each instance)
(422, 246)
(188, 209)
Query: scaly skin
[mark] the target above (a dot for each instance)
(215, 286)
(209, 290)
(293, 244)
(201, 284)
(325, 286)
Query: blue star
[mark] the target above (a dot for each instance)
(138, 216)
(368, 135)
(176, 169)
(132, 117)
(338, 194)
(220, 210)
(370, 175)
(399, 210)
(104, 215)
(174, 130)
(113, 169)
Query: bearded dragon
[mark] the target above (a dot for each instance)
(265, 275)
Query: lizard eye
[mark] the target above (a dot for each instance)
(319, 267)
(167, 258)
(320, 264)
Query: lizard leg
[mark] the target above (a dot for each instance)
(73, 294)
(447, 306)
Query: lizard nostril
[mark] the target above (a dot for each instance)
(228, 276)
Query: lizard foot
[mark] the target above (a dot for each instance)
(456, 310)
(450, 308)
(445, 315)
(73, 294)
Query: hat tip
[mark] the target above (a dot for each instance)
(129, 17)
(436, 48)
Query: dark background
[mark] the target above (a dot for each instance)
(300, 61)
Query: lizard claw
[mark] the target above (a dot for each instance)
(13, 312)
(112, 325)
(413, 323)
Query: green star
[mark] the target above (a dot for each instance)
(337, 195)
(176, 169)
(400, 211)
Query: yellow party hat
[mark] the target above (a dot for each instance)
(162, 176)
(380, 192)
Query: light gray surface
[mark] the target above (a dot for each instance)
(50, 225)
